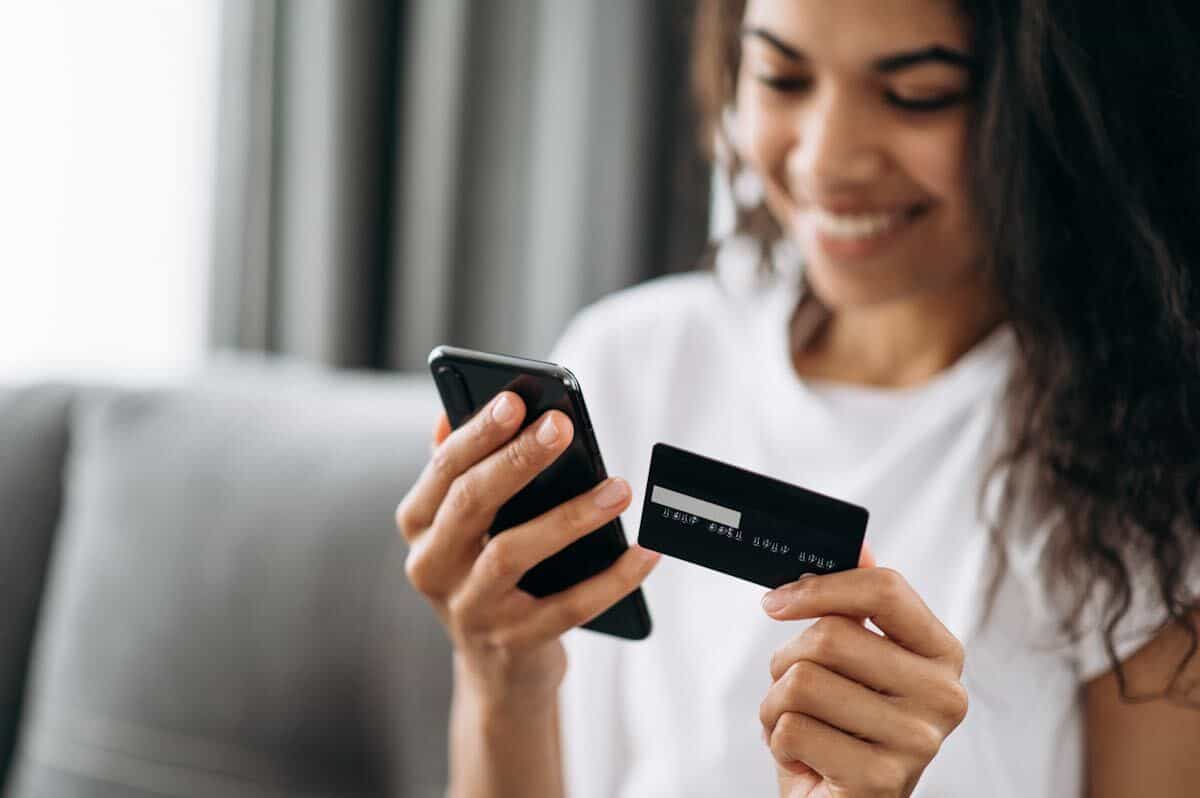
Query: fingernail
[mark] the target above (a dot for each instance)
(612, 494)
(773, 601)
(547, 433)
(504, 410)
(805, 575)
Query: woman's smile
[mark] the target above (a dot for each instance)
(850, 236)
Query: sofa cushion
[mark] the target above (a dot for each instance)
(227, 613)
(33, 446)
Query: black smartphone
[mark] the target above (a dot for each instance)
(466, 380)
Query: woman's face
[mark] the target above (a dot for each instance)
(855, 115)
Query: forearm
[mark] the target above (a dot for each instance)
(498, 751)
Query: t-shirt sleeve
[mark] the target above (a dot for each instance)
(1143, 622)
(1087, 648)
(589, 710)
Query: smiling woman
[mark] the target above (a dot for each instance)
(993, 344)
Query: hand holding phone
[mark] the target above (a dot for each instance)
(470, 571)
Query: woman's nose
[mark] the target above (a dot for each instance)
(837, 147)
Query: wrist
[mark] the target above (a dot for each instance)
(500, 702)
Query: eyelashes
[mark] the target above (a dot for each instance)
(922, 105)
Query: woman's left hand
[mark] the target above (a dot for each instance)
(853, 713)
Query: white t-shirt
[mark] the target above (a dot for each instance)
(682, 361)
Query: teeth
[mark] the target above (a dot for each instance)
(856, 225)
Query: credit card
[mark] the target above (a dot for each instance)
(745, 524)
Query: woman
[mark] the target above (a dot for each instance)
(992, 345)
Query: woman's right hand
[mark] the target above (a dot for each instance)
(506, 641)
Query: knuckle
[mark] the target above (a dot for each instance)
(483, 426)
(800, 678)
(779, 662)
(419, 571)
(442, 464)
(822, 639)
(954, 702)
(892, 586)
(500, 559)
(463, 614)
(791, 727)
(406, 521)
(924, 739)
(958, 655)
(575, 516)
(463, 498)
(521, 455)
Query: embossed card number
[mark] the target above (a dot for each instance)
(745, 524)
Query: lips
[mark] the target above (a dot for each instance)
(859, 225)
(846, 236)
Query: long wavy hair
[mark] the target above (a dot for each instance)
(1086, 178)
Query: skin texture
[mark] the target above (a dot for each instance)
(1146, 748)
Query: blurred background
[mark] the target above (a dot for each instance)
(348, 182)
(232, 231)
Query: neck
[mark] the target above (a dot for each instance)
(901, 343)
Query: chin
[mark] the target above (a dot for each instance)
(838, 289)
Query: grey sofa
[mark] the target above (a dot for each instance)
(203, 594)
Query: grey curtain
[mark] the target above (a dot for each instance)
(393, 175)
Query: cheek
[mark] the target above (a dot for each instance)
(763, 138)
(938, 162)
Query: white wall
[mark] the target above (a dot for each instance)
(106, 161)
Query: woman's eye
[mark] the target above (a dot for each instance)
(936, 103)
(782, 84)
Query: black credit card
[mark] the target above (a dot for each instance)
(745, 524)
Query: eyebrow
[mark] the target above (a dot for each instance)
(888, 63)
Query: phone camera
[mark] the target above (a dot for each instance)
(454, 390)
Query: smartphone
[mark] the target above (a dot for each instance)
(466, 380)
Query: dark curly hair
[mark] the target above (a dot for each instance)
(1086, 178)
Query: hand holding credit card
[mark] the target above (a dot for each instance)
(745, 524)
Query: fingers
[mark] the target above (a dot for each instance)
(490, 427)
(556, 614)
(506, 557)
(441, 430)
(837, 756)
(882, 595)
(845, 647)
(475, 497)
(813, 690)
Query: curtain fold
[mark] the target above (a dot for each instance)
(394, 175)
